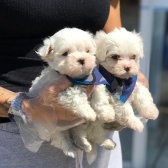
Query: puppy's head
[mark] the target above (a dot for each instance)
(70, 51)
(119, 52)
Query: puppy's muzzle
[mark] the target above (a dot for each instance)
(81, 61)
(127, 69)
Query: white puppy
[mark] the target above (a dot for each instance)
(69, 52)
(118, 54)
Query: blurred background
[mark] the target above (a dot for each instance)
(149, 17)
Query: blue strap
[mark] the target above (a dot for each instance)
(126, 85)
(128, 88)
(95, 78)
(102, 76)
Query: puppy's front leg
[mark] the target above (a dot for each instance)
(143, 102)
(76, 100)
(100, 103)
(79, 136)
(125, 116)
(63, 141)
(98, 135)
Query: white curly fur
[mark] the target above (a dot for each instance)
(119, 52)
(71, 52)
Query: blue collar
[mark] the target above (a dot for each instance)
(95, 78)
(123, 87)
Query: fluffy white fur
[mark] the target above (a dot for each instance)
(119, 52)
(71, 52)
(68, 52)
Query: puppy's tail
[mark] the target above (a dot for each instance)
(91, 156)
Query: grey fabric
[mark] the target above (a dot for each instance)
(13, 154)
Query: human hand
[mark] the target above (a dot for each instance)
(45, 108)
(46, 117)
(143, 79)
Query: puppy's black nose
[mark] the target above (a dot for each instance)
(127, 69)
(81, 61)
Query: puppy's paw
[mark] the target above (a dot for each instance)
(87, 147)
(106, 118)
(83, 144)
(70, 153)
(135, 124)
(89, 116)
(108, 144)
(151, 112)
(107, 115)
(70, 150)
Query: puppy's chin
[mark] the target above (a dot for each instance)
(125, 75)
(119, 71)
(77, 70)
(79, 73)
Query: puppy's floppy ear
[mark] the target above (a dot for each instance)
(47, 50)
(100, 39)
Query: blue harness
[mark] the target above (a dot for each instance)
(95, 78)
(123, 87)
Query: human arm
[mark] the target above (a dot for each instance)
(35, 108)
(114, 18)
(6, 96)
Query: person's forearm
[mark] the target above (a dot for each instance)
(6, 96)
(114, 18)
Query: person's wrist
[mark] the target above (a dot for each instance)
(16, 106)
(6, 97)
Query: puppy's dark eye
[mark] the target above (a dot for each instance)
(115, 57)
(87, 50)
(65, 54)
(133, 57)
